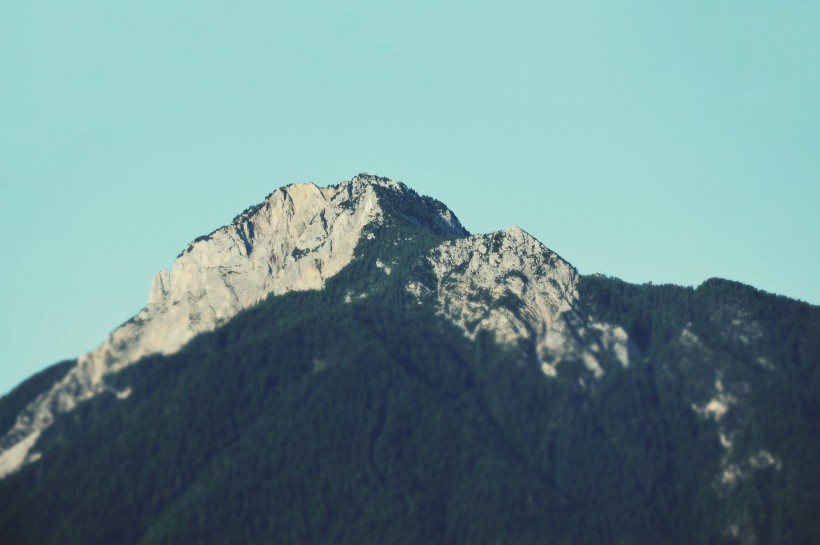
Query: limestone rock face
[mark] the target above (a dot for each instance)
(506, 283)
(296, 239)
(509, 284)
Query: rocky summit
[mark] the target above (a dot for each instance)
(347, 364)
(294, 240)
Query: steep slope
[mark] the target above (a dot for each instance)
(295, 240)
(436, 388)
(310, 420)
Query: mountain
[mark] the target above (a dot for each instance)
(349, 365)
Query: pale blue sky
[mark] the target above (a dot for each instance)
(663, 141)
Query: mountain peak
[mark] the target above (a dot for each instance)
(388, 357)
(295, 240)
(372, 179)
(507, 283)
(517, 232)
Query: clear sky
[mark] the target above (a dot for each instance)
(662, 141)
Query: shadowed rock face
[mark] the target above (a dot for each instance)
(295, 240)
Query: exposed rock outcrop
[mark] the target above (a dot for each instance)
(511, 285)
(296, 239)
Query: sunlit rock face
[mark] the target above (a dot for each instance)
(509, 284)
(506, 283)
(296, 239)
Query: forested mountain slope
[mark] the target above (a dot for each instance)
(446, 388)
